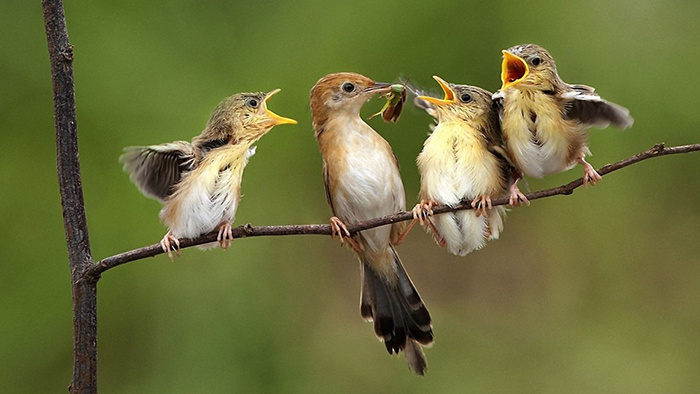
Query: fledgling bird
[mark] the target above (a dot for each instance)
(199, 183)
(362, 181)
(463, 159)
(545, 120)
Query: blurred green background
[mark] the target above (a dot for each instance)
(595, 292)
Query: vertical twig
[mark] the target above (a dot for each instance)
(70, 186)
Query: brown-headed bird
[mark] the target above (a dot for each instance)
(545, 120)
(361, 176)
(463, 159)
(199, 183)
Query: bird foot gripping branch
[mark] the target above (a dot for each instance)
(590, 175)
(515, 196)
(225, 235)
(170, 244)
(341, 230)
(482, 205)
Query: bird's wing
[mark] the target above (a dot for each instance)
(156, 169)
(327, 187)
(584, 105)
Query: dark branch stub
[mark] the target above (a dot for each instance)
(67, 53)
(248, 230)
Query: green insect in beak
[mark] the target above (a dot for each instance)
(391, 111)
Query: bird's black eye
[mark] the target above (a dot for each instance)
(536, 61)
(253, 103)
(348, 87)
(466, 97)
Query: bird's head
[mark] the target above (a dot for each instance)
(244, 117)
(461, 102)
(342, 94)
(528, 66)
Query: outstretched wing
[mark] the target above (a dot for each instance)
(584, 105)
(156, 169)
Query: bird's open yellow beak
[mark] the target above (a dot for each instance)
(276, 118)
(449, 93)
(513, 69)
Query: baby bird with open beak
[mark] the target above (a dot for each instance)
(199, 183)
(545, 120)
(462, 160)
(361, 176)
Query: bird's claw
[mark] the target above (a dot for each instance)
(422, 211)
(516, 197)
(590, 175)
(341, 230)
(482, 205)
(338, 228)
(170, 244)
(225, 235)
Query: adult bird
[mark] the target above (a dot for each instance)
(362, 181)
(545, 120)
(199, 182)
(463, 159)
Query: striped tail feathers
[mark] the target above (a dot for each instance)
(400, 318)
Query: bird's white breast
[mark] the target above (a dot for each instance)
(455, 165)
(538, 143)
(208, 195)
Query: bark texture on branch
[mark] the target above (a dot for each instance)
(70, 186)
(248, 230)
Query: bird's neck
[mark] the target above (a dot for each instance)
(454, 129)
(339, 123)
(346, 130)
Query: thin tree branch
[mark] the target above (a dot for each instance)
(75, 224)
(248, 230)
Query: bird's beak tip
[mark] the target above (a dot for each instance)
(281, 119)
(276, 118)
(449, 93)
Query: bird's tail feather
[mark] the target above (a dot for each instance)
(400, 318)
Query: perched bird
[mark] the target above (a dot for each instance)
(463, 159)
(545, 120)
(361, 176)
(199, 183)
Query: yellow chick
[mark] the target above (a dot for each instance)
(545, 120)
(462, 160)
(199, 183)
(362, 180)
